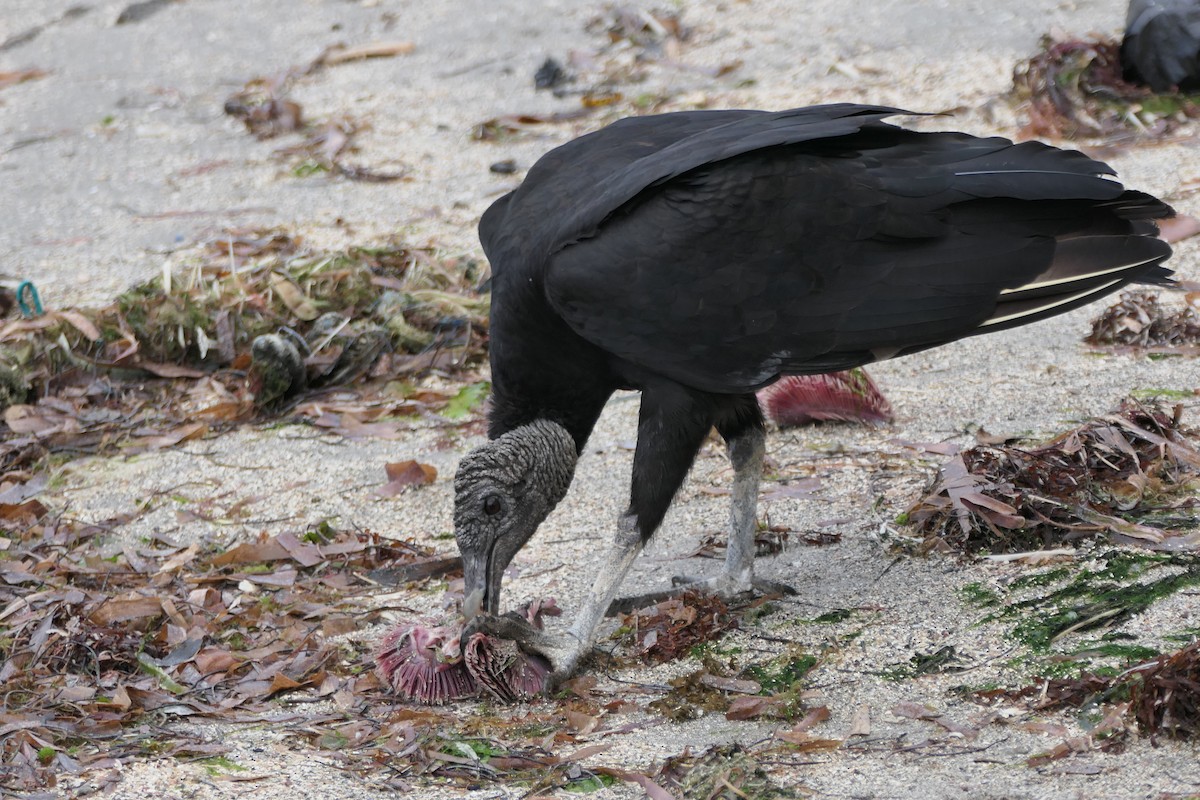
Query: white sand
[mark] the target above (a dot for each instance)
(98, 164)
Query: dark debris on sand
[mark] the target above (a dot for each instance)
(1112, 476)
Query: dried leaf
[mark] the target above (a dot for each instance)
(169, 370)
(124, 610)
(340, 54)
(580, 723)
(860, 723)
(28, 419)
(404, 474)
(294, 298)
(81, 323)
(13, 77)
(751, 707)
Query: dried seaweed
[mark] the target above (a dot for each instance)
(1162, 694)
(84, 381)
(671, 628)
(1104, 478)
(1139, 320)
(726, 772)
(1074, 88)
(1165, 693)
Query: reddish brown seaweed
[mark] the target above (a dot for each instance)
(849, 396)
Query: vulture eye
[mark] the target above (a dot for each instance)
(492, 505)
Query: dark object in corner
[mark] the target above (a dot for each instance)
(1161, 48)
(136, 12)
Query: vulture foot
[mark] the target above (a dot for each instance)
(720, 585)
(563, 651)
(729, 587)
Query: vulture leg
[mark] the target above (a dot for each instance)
(746, 444)
(565, 651)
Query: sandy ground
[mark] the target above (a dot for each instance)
(122, 155)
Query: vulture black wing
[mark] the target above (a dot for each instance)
(572, 189)
(819, 239)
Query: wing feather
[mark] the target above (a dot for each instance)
(724, 248)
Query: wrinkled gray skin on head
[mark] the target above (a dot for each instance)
(502, 492)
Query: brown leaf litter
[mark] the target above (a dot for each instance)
(671, 628)
(84, 381)
(97, 649)
(1161, 697)
(1074, 89)
(1111, 476)
(1139, 321)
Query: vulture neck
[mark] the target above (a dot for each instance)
(543, 370)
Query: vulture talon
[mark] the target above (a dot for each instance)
(700, 256)
(728, 588)
(562, 651)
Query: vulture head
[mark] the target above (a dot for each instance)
(502, 492)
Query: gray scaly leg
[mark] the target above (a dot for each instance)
(564, 651)
(746, 453)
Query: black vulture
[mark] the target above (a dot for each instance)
(1161, 47)
(698, 256)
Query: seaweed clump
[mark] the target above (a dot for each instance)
(1139, 320)
(1074, 88)
(1113, 476)
(1162, 694)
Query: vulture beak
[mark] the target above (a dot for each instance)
(481, 583)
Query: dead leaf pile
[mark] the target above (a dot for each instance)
(670, 629)
(264, 107)
(1165, 693)
(101, 652)
(98, 652)
(391, 312)
(1114, 476)
(1074, 88)
(1138, 320)
(1160, 696)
